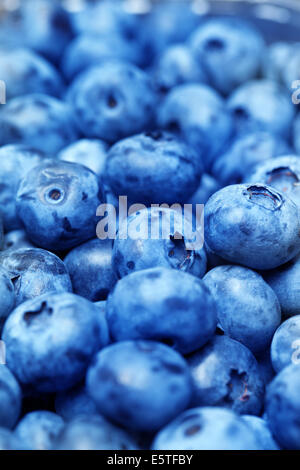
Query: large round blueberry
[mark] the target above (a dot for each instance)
(262, 104)
(230, 51)
(50, 340)
(248, 309)
(93, 433)
(112, 100)
(182, 312)
(155, 237)
(16, 161)
(10, 398)
(57, 203)
(38, 429)
(262, 432)
(285, 283)
(7, 295)
(198, 114)
(141, 385)
(35, 272)
(90, 268)
(75, 402)
(226, 374)
(207, 428)
(254, 225)
(282, 173)
(88, 152)
(37, 120)
(283, 407)
(285, 347)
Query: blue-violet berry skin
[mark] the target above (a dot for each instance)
(57, 203)
(285, 347)
(262, 105)
(208, 186)
(282, 173)
(26, 72)
(253, 225)
(248, 309)
(10, 398)
(35, 272)
(90, 269)
(296, 133)
(9, 441)
(207, 428)
(230, 51)
(40, 121)
(15, 239)
(133, 251)
(50, 341)
(88, 152)
(182, 313)
(285, 281)
(225, 373)
(38, 429)
(262, 432)
(198, 114)
(16, 161)
(283, 407)
(277, 55)
(75, 402)
(93, 433)
(245, 152)
(153, 167)
(7, 295)
(112, 101)
(141, 385)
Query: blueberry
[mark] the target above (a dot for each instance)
(285, 283)
(90, 268)
(296, 133)
(136, 251)
(154, 167)
(7, 296)
(282, 173)
(57, 204)
(10, 398)
(248, 309)
(74, 402)
(16, 162)
(262, 105)
(182, 313)
(230, 51)
(262, 431)
(276, 58)
(37, 120)
(16, 239)
(245, 152)
(50, 341)
(198, 114)
(93, 433)
(35, 272)
(9, 441)
(141, 385)
(206, 188)
(285, 348)
(254, 225)
(26, 72)
(207, 428)
(38, 429)
(226, 374)
(88, 152)
(112, 100)
(283, 407)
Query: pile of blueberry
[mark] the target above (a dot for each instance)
(145, 342)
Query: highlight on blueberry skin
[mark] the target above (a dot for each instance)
(285, 347)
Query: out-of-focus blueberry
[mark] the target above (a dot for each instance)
(16, 239)
(88, 152)
(90, 268)
(40, 121)
(206, 188)
(75, 402)
(253, 225)
(225, 373)
(207, 428)
(198, 114)
(50, 341)
(37, 430)
(112, 100)
(285, 348)
(230, 51)
(57, 203)
(262, 432)
(182, 312)
(9, 441)
(141, 385)
(248, 309)
(35, 272)
(10, 398)
(276, 59)
(262, 105)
